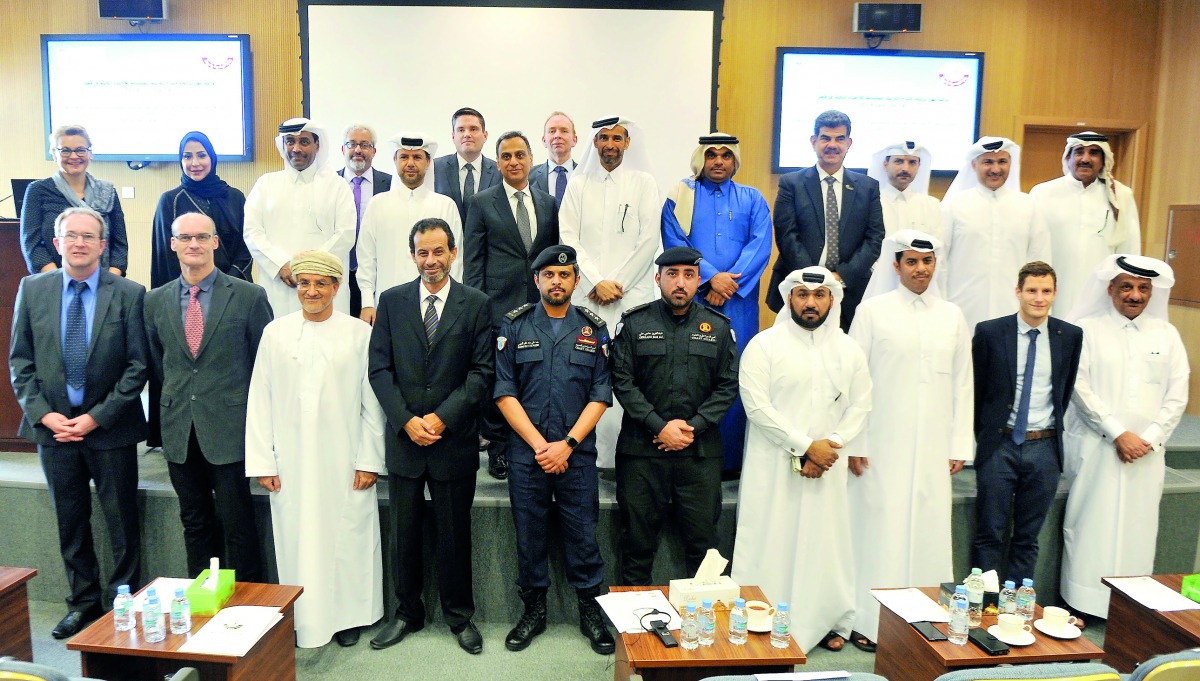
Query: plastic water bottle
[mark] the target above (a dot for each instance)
(1026, 599)
(1007, 602)
(708, 622)
(689, 633)
(974, 584)
(781, 625)
(960, 617)
(123, 609)
(181, 614)
(153, 630)
(738, 623)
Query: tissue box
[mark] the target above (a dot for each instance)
(722, 589)
(990, 598)
(1191, 587)
(205, 602)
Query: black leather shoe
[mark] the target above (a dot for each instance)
(393, 633)
(591, 622)
(532, 622)
(497, 466)
(347, 637)
(74, 622)
(469, 639)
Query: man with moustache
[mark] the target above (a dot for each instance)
(989, 231)
(552, 385)
(304, 206)
(507, 227)
(467, 171)
(1088, 214)
(559, 138)
(675, 370)
(314, 441)
(389, 219)
(903, 170)
(431, 366)
(358, 148)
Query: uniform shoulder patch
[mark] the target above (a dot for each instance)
(719, 315)
(592, 316)
(635, 308)
(513, 314)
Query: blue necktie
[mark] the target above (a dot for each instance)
(75, 343)
(560, 185)
(430, 319)
(1022, 422)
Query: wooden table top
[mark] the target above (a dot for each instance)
(1043, 649)
(102, 636)
(1186, 621)
(11, 577)
(645, 650)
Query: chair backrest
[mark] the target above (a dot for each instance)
(16, 670)
(854, 676)
(1181, 666)
(1055, 671)
(187, 674)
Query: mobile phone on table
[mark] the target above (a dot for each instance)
(929, 631)
(988, 643)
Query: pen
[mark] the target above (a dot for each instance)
(623, 212)
(731, 216)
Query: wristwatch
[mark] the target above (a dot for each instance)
(571, 442)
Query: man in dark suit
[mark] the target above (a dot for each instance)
(461, 174)
(202, 331)
(431, 366)
(1025, 367)
(358, 148)
(508, 225)
(559, 138)
(78, 365)
(814, 204)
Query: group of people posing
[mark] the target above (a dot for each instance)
(565, 318)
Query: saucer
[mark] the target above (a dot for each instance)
(1066, 632)
(1023, 639)
(759, 630)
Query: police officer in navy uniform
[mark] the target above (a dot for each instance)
(552, 385)
(675, 370)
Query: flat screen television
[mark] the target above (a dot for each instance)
(890, 95)
(138, 94)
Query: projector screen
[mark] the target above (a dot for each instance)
(417, 64)
(138, 94)
(929, 97)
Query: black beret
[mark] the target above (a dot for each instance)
(678, 255)
(554, 255)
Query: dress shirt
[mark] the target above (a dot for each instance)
(439, 303)
(837, 176)
(75, 395)
(366, 189)
(1041, 408)
(204, 297)
(552, 177)
(512, 203)
(477, 164)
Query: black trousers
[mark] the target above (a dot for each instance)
(356, 295)
(222, 528)
(450, 502)
(68, 468)
(646, 485)
(1017, 483)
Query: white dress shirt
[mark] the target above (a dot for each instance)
(1041, 407)
(838, 177)
(477, 165)
(528, 200)
(439, 298)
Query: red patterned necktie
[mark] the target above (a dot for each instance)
(193, 322)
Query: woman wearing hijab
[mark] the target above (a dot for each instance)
(71, 186)
(200, 190)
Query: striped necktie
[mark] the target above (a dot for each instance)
(431, 318)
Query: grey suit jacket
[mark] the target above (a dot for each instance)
(540, 176)
(381, 181)
(445, 179)
(116, 361)
(207, 392)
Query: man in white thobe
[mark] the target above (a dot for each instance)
(314, 440)
(304, 206)
(611, 215)
(383, 242)
(989, 232)
(1130, 393)
(903, 170)
(807, 393)
(919, 433)
(1088, 214)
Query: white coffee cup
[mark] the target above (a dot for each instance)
(1058, 618)
(1012, 626)
(758, 614)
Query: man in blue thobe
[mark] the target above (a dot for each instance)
(730, 224)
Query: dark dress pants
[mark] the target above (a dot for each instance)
(450, 502)
(223, 528)
(1017, 483)
(646, 485)
(356, 301)
(68, 468)
(575, 492)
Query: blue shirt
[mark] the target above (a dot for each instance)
(1041, 406)
(75, 395)
(204, 296)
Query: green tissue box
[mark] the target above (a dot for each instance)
(205, 602)
(1191, 587)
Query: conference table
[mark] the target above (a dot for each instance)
(16, 638)
(903, 654)
(106, 653)
(644, 654)
(1135, 633)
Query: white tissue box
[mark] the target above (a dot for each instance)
(696, 589)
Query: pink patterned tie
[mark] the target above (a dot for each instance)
(193, 322)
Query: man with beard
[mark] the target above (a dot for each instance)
(431, 367)
(903, 170)
(807, 393)
(552, 385)
(358, 148)
(675, 369)
(560, 139)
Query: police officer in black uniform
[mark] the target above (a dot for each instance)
(552, 385)
(675, 370)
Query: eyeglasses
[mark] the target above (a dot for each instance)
(187, 238)
(365, 146)
(71, 237)
(81, 151)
